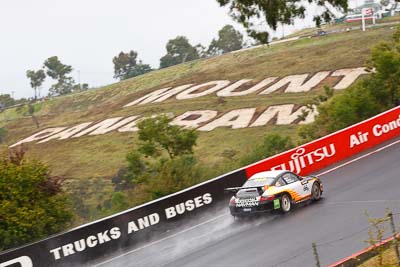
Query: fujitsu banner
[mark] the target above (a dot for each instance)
(332, 148)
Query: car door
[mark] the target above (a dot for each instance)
(299, 189)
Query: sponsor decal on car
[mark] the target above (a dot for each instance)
(277, 204)
(247, 202)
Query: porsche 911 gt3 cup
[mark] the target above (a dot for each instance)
(273, 190)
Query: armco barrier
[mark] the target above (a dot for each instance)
(89, 242)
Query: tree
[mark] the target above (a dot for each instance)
(251, 12)
(172, 175)
(384, 83)
(353, 105)
(149, 173)
(58, 71)
(80, 87)
(376, 93)
(128, 177)
(228, 40)
(202, 51)
(6, 101)
(32, 204)
(157, 134)
(36, 79)
(126, 66)
(179, 50)
(31, 112)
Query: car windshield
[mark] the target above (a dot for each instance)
(259, 182)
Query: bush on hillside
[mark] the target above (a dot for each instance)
(354, 105)
(32, 204)
(373, 95)
(161, 163)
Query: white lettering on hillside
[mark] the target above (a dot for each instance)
(284, 115)
(105, 126)
(297, 83)
(149, 97)
(235, 119)
(131, 127)
(202, 120)
(293, 84)
(191, 92)
(230, 90)
(208, 120)
(40, 135)
(349, 77)
(159, 95)
(193, 119)
(67, 133)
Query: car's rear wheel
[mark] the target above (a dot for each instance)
(286, 203)
(316, 192)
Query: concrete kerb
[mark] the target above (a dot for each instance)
(363, 255)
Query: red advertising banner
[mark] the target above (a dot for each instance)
(332, 148)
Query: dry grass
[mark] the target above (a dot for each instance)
(389, 259)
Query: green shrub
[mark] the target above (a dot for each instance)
(32, 205)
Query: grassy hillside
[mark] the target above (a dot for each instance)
(100, 157)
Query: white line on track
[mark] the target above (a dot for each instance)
(361, 202)
(356, 159)
(222, 215)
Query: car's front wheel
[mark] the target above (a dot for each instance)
(316, 191)
(286, 203)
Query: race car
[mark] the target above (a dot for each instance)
(273, 190)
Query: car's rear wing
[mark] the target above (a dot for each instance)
(234, 190)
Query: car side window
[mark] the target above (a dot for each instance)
(290, 178)
(280, 182)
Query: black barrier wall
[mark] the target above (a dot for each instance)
(84, 244)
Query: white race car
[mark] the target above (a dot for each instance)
(273, 190)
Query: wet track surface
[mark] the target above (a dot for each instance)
(337, 223)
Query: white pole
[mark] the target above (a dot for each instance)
(373, 17)
(363, 20)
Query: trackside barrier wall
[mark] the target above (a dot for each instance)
(332, 148)
(90, 242)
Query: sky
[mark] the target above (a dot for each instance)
(88, 34)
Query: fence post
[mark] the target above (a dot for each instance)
(395, 241)
(314, 247)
